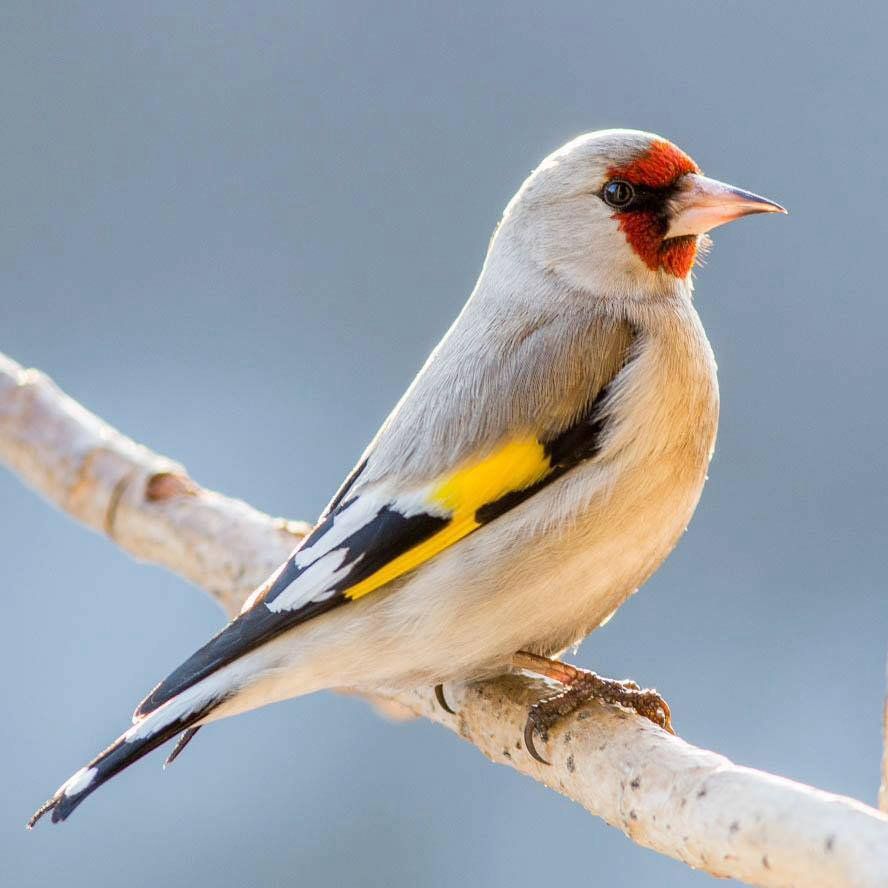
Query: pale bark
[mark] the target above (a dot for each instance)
(688, 803)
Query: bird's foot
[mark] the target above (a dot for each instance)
(580, 687)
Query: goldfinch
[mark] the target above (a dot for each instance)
(537, 471)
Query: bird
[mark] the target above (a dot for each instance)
(539, 468)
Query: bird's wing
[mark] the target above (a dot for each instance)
(367, 539)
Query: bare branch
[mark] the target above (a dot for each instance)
(143, 501)
(685, 802)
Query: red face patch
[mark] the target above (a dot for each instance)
(659, 167)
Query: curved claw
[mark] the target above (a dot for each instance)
(667, 718)
(529, 742)
(442, 700)
(654, 708)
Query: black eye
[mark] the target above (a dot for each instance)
(618, 194)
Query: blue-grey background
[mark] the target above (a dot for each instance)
(235, 230)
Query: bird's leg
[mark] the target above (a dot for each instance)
(580, 686)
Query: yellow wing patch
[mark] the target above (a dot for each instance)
(514, 466)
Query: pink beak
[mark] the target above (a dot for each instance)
(701, 204)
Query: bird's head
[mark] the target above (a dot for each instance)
(622, 211)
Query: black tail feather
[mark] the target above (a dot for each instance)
(119, 755)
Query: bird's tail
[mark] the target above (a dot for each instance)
(143, 737)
